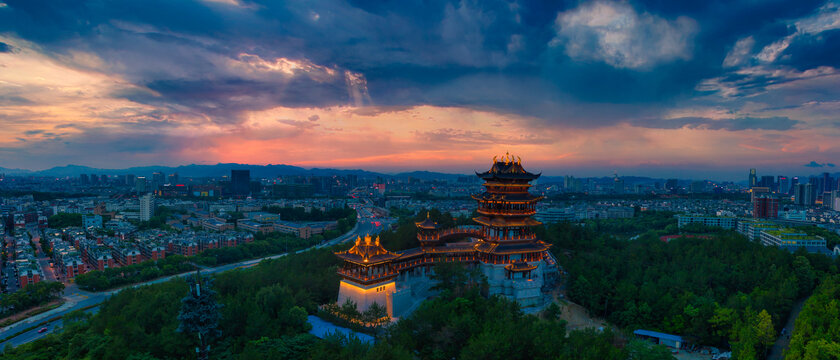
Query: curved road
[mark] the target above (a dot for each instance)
(76, 299)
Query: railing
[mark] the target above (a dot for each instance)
(549, 259)
(507, 238)
(504, 212)
(459, 230)
(366, 278)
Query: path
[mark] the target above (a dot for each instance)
(778, 349)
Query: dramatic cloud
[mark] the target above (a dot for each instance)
(814, 164)
(740, 53)
(615, 33)
(733, 124)
(574, 86)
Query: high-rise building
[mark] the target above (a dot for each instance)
(805, 194)
(147, 207)
(768, 182)
(784, 184)
(130, 180)
(173, 179)
(753, 180)
(672, 185)
(828, 182)
(765, 207)
(158, 179)
(835, 200)
(140, 184)
(84, 179)
(240, 181)
(618, 185)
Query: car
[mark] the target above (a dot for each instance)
(43, 330)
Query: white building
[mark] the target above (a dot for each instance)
(147, 207)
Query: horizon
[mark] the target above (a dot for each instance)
(591, 88)
(587, 174)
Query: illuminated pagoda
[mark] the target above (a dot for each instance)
(508, 247)
(367, 275)
(503, 245)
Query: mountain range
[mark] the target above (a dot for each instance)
(218, 170)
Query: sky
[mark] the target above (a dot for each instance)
(700, 89)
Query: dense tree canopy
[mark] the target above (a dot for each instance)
(817, 331)
(713, 290)
(63, 220)
(725, 291)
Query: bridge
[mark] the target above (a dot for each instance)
(458, 232)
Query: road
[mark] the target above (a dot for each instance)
(43, 260)
(76, 299)
(783, 341)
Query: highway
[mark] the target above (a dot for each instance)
(76, 299)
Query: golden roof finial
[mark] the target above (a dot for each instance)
(367, 239)
(358, 240)
(377, 240)
(494, 158)
(427, 214)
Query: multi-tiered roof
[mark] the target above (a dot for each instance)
(505, 207)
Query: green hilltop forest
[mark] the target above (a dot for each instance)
(723, 291)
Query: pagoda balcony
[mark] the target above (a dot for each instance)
(367, 278)
(511, 238)
(506, 212)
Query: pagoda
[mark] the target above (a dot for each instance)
(367, 274)
(509, 248)
(503, 246)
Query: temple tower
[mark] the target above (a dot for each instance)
(509, 250)
(367, 275)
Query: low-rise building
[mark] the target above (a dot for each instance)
(215, 224)
(555, 215)
(791, 238)
(752, 228)
(254, 226)
(298, 229)
(126, 254)
(716, 221)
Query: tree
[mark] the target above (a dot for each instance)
(643, 350)
(349, 311)
(375, 315)
(200, 313)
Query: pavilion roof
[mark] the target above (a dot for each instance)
(427, 224)
(367, 251)
(507, 168)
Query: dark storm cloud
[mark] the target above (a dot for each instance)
(499, 55)
(735, 124)
(814, 164)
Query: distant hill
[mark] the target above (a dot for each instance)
(194, 170)
(430, 175)
(8, 171)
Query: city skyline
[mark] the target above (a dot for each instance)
(224, 169)
(642, 88)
